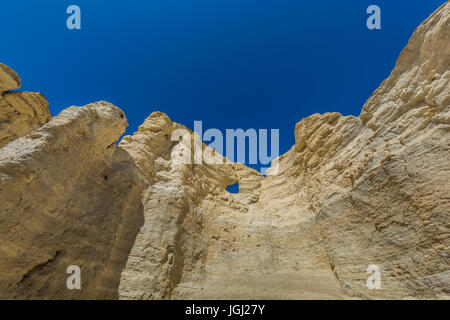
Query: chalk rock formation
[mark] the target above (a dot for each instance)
(352, 192)
(9, 79)
(68, 197)
(20, 112)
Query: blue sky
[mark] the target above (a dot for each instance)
(230, 63)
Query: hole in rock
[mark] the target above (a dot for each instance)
(234, 188)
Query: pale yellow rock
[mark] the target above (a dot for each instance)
(20, 112)
(352, 192)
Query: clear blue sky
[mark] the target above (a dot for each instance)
(230, 63)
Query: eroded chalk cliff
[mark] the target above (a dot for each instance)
(68, 196)
(351, 192)
(20, 112)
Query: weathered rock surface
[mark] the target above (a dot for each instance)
(20, 112)
(351, 192)
(9, 79)
(68, 197)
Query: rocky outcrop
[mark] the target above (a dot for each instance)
(20, 112)
(9, 79)
(68, 196)
(352, 192)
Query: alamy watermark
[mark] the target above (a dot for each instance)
(374, 280)
(73, 22)
(74, 280)
(374, 20)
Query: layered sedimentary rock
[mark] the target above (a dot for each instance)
(352, 192)
(20, 112)
(68, 197)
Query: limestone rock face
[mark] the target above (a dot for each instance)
(352, 192)
(68, 196)
(20, 112)
(9, 79)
